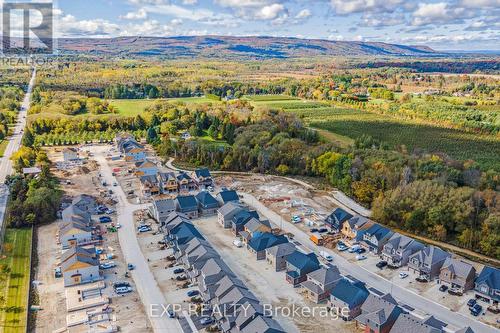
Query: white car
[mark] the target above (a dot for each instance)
(360, 257)
(123, 290)
(238, 243)
(403, 275)
(107, 265)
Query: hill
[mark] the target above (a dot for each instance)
(235, 47)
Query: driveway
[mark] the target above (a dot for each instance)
(144, 280)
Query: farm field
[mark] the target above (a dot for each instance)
(342, 125)
(14, 284)
(132, 107)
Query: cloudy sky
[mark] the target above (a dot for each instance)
(442, 24)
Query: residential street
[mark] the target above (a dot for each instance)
(371, 279)
(144, 280)
(13, 146)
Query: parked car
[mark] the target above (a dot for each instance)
(193, 293)
(476, 310)
(206, 321)
(327, 256)
(354, 248)
(107, 265)
(130, 267)
(471, 302)
(313, 230)
(237, 243)
(119, 284)
(361, 250)
(57, 272)
(360, 257)
(322, 230)
(104, 219)
(443, 288)
(123, 290)
(170, 313)
(381, 264)
(341, 247)
(178, 270)
(145, 229)
(115, 184)
(403, 275)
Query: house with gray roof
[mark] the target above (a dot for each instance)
(239, 221)
(168, 182)
(73, 210)
(337, 218)
(263, 324)
(185, 182)
(226, 213)
(398, 250)
(207, 204)
(212, 271)
(378, 313)
(183, 233)
(80, 268)
(348, 295)
(320, 283)
(85, 202)
(487, 285)
(298, 264)
(226, 196)
(203, 178)
(187, 205)
(407, 323)
(259, 243)
(74, 233)
(275, 255)
(225, 285)
(254, 226)
(375, 238)
(457, 274)
(161, 209)
(149, 185)
(354, 229)
(427, 262)
(251, 310)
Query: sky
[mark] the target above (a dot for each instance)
(440, 24)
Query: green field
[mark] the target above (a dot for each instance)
(15, 280)
(341, 125)
(132, 107)
(3, 145)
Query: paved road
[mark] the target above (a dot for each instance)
(371, 279)
(13, 146)
(144, 280)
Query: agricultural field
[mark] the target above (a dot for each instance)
(15, 279)
(342, 125)
(133, 107)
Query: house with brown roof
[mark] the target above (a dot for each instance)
(458, 274)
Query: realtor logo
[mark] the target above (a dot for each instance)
(27, 28)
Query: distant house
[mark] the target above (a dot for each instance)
(207, 204)
(240, 219)
(348, 295)
(298, 264)
(149, 185)
(168, 182)
(185, 182)
(407, 323)
(32, 171)
(378, 314)
(337, 218)
(457, 274)
(74, 233)
(187, 205)
(276, 255)
(260, 243)
(226, 196)
(487, 285)
(185, 135)
(398, 250)
(226, 213)
(254, 226)
(146, 168)
(134, 152)
(428, 262)
(85, 203)
(375, 238)
(203, 178)
(320, 282)
(161, 209)
(78, 268)
(70, 154)
(354, 229)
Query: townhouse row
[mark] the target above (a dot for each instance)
(428, 261)
(235, 308)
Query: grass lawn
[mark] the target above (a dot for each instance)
(132, 107)
(14, 285)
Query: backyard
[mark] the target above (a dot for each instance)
(15, 279)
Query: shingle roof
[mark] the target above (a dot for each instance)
(183, 175)
(460, 268)
(378, 309)
(378, 231)
(281, 250)
(304, 262)
(430, 255)
(254, 224)
(263, 325)
(206, 200)
(244, 216)
(148, 179)
(164, 176)
(266, 240)
(352, 293)
(70, 225)
(230, 207)
(164, 204)
(204, 172)
(187, 203)
(78, 258)
(325, 275)
(407, 323)
(229, 195)
(489, 276)
(337, 217)
(78, 250)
